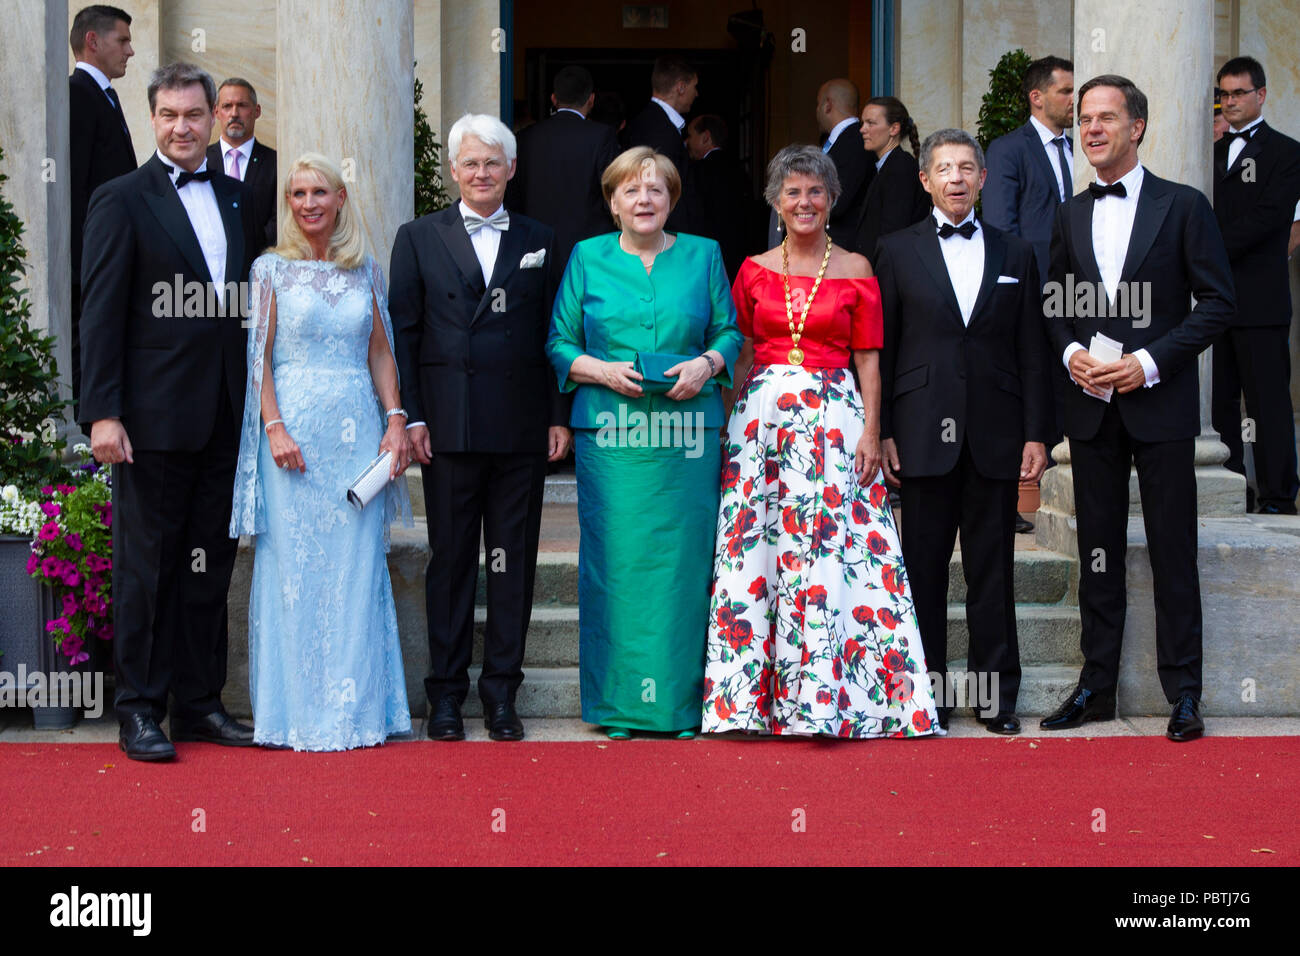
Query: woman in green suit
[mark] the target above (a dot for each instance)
(646, 446)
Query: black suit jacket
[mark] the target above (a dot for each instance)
(856, 168)
(557, 180)
(1254, 203)
(262, 183)
(472, 357)
(652, 127)
(1175, 251)
(1020, 195)
(160, 372)
(894, 200)
(724, 207)
(989, 377)
(99, 149)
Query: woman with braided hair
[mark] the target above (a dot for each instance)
(896, 199)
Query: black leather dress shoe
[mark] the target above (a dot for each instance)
(945, 713)
(445, 722)
(1082, 707)
(143, 739)
(1004, 722)
(1185, 723)
(1023, 526)
(217, 727)
(503, 723)
(1276, 509)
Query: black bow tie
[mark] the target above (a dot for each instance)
(1230, 135)
(186, 177)
(1114, 189)
(965, 230)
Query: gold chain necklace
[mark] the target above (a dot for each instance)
(795, 355)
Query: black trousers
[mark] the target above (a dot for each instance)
(1257, 361)
(983, 509)
(1167, 481)
(172, 560)
(497, 499)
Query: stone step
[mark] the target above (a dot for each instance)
(1041, 577)
(1042, 688)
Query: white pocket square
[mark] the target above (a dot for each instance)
(1007, 279)
(533, 260)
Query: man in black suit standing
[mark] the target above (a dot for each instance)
(1134, 237)
(1256, 185)
(837, 117)
(166, 394)
(561, 160)
(470, 299)
(1031, 172)
(240, 156)
(99, 142)
(722, 202)
(965, 410)
(674, 84)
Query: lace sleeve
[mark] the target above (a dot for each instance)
(397, 506)
(248, 510)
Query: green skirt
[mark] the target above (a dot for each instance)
(648, 518)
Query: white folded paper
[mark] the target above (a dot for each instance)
(370, 482)
(1106, 350)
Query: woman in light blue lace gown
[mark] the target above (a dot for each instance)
(325, 663)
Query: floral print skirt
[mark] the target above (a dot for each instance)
(811, 627)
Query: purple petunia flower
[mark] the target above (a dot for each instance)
(74, 541)
(49, 531)
(51, 509)
(67, 489)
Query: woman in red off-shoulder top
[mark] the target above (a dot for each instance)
(811, 626)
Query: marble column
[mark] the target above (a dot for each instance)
(34, 132)
(471, 74)
(344, 88)
(428, 60)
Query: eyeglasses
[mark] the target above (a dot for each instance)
(471, 166)
(1235, 94)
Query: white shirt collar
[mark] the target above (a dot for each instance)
(940, 218)
(881, 161)
(95, 72)
(673, 115)
(839, 128)
(569, 109)
(1044, 134)
(466, 211)
(175, 170)
(1132, 181)
(1251, 125)
(245, 149)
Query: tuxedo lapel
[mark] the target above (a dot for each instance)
(1038, 156)
(1081, 236)
(931, 256)
(995, 253)
(509, 252)
(452, 229)
(167, 208)
(1254, 146)
(1153, 205)
(228, 199)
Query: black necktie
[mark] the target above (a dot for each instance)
(202, 176)
(1061, 142)
(117, 108)
(965, 230)
(1114, 189)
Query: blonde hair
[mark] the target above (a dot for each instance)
(347, 246)
(630, 164)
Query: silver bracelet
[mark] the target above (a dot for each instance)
(275, 421)
(394, 411)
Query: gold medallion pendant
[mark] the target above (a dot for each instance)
(795, 355)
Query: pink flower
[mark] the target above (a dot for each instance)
(74, 541)
(50, 508)
(58, 624)
(32, 563)
(52, 567)
(70, 576)
(47, 489)
(69, 605)
(49, 532)
(67, 489)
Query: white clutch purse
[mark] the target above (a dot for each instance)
(371, 481)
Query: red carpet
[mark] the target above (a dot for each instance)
(1221, 801)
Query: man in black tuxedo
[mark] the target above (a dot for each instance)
(240, 156)
(99, 142)
(1256, 185)
(166, 393)
(1134, 238)
(837, 117)
(965, 410)
(471, 305)
(674, 84)
(723, 203)
(561, 160)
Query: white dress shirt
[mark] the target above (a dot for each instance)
(245, 151)
(1238, 144)
(1112, 227)
(96, 74)
(486, 242)
(673, 115)
(835, 133)
(1063, 189)
(200, 204)
(965, 261)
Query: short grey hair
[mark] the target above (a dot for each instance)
(796, 161)
(240, 81)
(177, 76)
(488, 130)
(948, 137)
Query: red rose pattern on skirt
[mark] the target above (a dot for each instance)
(811, 626)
